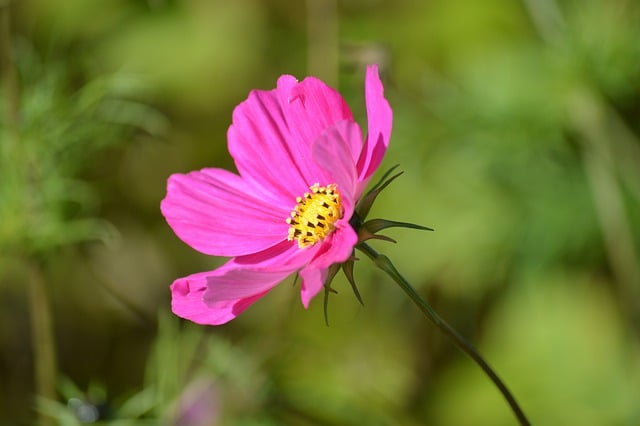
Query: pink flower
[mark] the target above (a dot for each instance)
(302, 167)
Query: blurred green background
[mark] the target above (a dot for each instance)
(516, 123)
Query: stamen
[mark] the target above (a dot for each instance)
(315, 215)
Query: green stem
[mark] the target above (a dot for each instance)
(42, 337)
(385, 264)
(43, 342)
(603, 170)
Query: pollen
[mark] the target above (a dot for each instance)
(315, 215)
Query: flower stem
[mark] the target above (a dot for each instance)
(385, 264)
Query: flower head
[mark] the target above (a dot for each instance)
(303, 165)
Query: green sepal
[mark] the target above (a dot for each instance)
(384, 177)
(376, 225)
(364, 206)
(365, 234)
(333, 270)
(347, 268)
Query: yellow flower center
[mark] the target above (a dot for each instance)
(315, 215)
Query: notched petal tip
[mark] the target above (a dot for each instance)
(187, 302)
(380, 120)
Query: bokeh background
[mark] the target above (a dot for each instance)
(515, 122)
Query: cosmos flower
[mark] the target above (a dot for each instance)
(303, 165)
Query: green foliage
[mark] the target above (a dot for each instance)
(193, 377)
(595, 371)
(46, 204)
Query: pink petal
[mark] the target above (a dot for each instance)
(225, 284)
(380, 118)
(312, 281)
(235, 290)
(335, 164)
(337, 249)
(285, 255)
(315, 107)
(187, 302)
(217, 213)
(218, 296)
(273, 132)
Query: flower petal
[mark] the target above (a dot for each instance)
(235, 291)
(217, 213)
(380, 118)
(315, 107)
(285, 255)
(273, 131)
(246, 276)
(331, 152)
(230, 283)
(187, 302)
(312, 281)
(337, 249)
